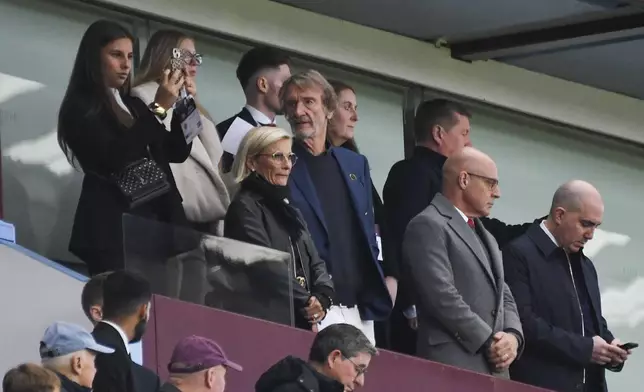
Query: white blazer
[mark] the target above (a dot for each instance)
(199, 180)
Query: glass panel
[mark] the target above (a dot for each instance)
(213, 271)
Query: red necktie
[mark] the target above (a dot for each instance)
(470, 223)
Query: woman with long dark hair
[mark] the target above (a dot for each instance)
(120, 144)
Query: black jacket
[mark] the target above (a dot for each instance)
(250, 219)
(116, 372)
(410, 187)
(222, 128)
(539, 276)
(103, 147)
(67, 385)
(294, 375)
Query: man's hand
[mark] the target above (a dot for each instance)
(392, 287)
(503, 350)
(616, 343)
(413, 323)
(313, 310)
(604, 353)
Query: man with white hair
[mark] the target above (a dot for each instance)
(69, 350)
(332, 188)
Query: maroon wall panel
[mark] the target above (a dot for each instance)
(256, 345)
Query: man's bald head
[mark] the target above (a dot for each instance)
(573, 194)
(577, 210)
(470, 181)
(468, 159)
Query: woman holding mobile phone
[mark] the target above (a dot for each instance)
(205, 196)
(112, 136)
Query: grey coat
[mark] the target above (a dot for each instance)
(462, 298)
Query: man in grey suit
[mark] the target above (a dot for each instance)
(466, 312)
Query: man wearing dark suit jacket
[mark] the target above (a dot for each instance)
(261, 73)
(332, 188)
(441, 129)
(466, 313)
(92, 304)
(568, 343)
(126, 305)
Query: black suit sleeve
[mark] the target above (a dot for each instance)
(558, 342)
(112, 373)
(606, 334)
(175, 143)
(504, 233)
(405, 196)
(102, 148)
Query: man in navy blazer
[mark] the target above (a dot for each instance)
(568, 344)
(332, 188)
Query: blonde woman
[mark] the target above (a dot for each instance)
(204, 193)
(261, 214)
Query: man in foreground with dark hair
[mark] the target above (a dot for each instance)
(126, 309)
(92, 303)
(261, 73)
(338, 360)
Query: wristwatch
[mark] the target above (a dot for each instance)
(158, 110)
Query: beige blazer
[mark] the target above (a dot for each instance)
(199, 180)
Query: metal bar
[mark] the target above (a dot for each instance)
(618, 26)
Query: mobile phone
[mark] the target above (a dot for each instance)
(628, 346)
(176, 61)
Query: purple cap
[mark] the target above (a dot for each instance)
(195, 353)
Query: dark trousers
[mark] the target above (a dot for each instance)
(402, 338)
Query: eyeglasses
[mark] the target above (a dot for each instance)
(281, 157)
(360, 369)
(194, 59)
(492, 183)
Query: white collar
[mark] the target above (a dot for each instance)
(119, 100)
(121, 332)
(548, 233)
(462, 214)
(258, 116)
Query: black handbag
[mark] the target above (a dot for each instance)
(141, 181)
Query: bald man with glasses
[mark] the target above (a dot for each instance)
(467, 316)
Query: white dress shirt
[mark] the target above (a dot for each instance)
(548, 233)
(258, 116)
(135, 350)
(126, 341)
(119, 101)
